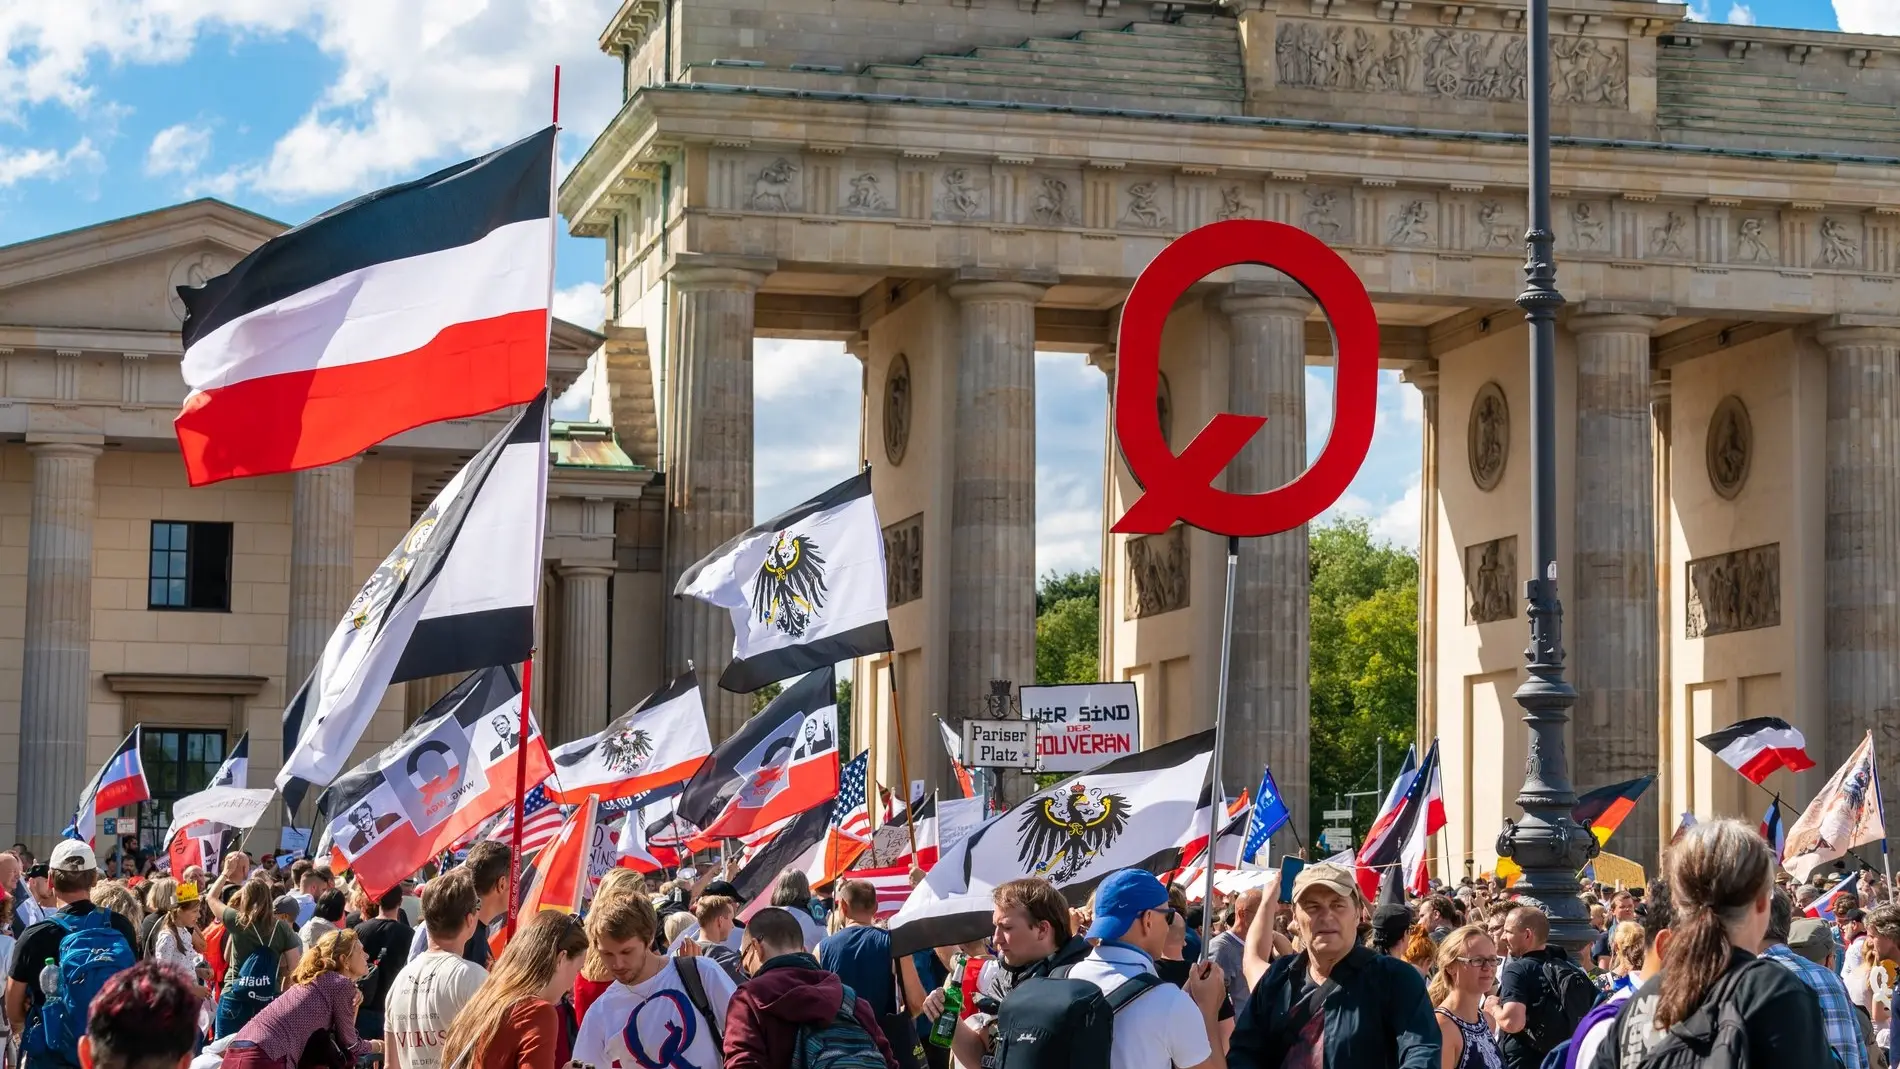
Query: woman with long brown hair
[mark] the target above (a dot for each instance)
(512, 1021)
(322, 997)
(259, 948)
(1466, 970)
(1721, 882)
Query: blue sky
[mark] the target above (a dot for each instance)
(287, 107)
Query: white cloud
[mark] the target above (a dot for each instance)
(581, 304)
(805, 399)
(1867, 16)
(1741, 15)
(1698, 12)
(45, 163)
(178, 149)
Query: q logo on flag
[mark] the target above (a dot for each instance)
(1181, 487)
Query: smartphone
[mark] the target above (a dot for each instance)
(1289, 871)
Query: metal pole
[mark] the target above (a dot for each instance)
(1379, 777)
(1546, 844)
(1216, 801)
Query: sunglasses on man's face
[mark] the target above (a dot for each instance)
(1167, 914)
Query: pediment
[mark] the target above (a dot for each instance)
(122, 274)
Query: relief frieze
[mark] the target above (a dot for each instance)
(1731, 592)
(1445, 62)
(1157, 574)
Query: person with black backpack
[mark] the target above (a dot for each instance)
(1056, 1021)
(793, 1014)
(62, 963)
(1543, 993)
(1716, 1005)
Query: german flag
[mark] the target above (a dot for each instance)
(1603, 809)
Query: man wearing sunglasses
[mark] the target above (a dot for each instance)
(1164, 1026)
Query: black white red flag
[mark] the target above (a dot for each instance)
(1758, 746)
(421, 302)
(780, 763)
(661, 741)
(452, 769)
(805, 588)
(455, 595)
(1406, 812)
(1132, 812)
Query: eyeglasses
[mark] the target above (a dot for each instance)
(1479, 963)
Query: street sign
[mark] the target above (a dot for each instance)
(1338, 838)
(999, 744)
(1337, 816)
(1081, 725)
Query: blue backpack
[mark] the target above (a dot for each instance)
(839, 1043)
(91, 952)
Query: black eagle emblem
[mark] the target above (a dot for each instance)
(625, 750)
(1057, 839)
(790, 587)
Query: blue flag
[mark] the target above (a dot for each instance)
(1772, 828)
(1269, 815)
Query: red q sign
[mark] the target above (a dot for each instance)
(1180, 487)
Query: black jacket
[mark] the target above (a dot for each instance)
(1376, 1018)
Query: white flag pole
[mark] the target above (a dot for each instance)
(1217, 802)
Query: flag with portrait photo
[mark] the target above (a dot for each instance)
(1133, 812)
(457, 594)
(805, 588)
(119, 782)
(779, 764)
(422, 302)
(659, 742)
(1845, 814)
(446, 774)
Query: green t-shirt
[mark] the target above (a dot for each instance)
(244, 939)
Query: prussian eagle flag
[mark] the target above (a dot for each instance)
(421, 302)
(779, 764)
(119, 782)
(805, 588)
(661, 741)
(1132, 812)
(455, 595)
(452, 769)
(1758, 746)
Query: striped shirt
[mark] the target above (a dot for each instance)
(1837, 1014)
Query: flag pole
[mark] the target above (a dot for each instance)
(903, 763)
(1880, 805)
(1217, 802)
(541, 509)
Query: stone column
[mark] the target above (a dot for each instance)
(1662, 433)
(1612, 604)
(1425, 378)
(57, 658)
(1863, 539)
(993, 492)
(322, 563)
(1268, 706)
(1110, 590)
(709, 464)
(583, 691)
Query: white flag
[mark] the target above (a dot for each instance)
(230, 807)
(805, 588)
(1129, 813)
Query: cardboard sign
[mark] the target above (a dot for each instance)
(1082, 725)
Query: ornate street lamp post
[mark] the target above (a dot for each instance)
(1546, 844)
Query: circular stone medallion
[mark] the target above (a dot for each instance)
(1730, 447)
(1488, 437)
(897, 410)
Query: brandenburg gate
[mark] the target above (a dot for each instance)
(948, 186)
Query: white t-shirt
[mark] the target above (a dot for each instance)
(669, 1030)
(1587, 1044)
(814, 932)
(1162, 1028)
(423, 1001)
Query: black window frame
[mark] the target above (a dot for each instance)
(174, 776)
(207, 559)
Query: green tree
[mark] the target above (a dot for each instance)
(1069, 627)
(1363, 666)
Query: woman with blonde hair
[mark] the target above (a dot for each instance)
(1626, 956)
(511, 1022)
(158, 896)
(595, 977)
(1467, 969)
(322, 998)
(1721, 883)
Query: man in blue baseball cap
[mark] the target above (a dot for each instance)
(1164, 1026)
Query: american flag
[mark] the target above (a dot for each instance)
(541, 821)
(893, 886)
(849, 814)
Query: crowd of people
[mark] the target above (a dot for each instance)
(265, 967)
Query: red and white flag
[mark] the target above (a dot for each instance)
(421, 302)
(560, 873)
(1758, 746)
(1418, 877)
(119, 782)
(780, 763)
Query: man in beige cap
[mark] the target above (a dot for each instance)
(1335, 1004)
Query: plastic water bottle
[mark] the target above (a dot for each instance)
(946, 1026)
(49, 978)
